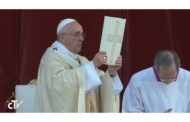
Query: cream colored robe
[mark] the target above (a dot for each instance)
(61, 87)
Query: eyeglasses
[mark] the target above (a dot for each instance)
(76, 35)
(168, 80)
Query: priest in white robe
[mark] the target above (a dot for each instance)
(68, 82)
(165, 87)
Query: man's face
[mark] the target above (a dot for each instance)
(73, 37)
(168, 75)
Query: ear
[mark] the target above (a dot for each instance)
(61, 37)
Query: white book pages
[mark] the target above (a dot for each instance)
(112, 38)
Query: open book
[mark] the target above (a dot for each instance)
(112, 38)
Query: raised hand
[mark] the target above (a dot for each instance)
(113, 69)
(100, 58)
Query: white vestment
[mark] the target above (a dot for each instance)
(68, 82)
(145, 93)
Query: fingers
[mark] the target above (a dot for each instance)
(119, 59)
(102, 52)
(168, 110)
(100, 58)
(103, 56)
(118, 62)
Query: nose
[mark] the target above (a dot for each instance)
(81, 38)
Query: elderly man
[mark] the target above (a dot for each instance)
(68, 82)
(165, 87)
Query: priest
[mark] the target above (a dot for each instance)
(69, 82)
(165, 87)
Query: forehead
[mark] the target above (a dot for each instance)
(169, 70)
(73, 27)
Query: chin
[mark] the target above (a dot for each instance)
(77, 51)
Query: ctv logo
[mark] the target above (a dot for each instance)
(14, 104)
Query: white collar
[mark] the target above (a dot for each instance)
(63, 49)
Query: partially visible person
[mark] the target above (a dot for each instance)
(165, 87)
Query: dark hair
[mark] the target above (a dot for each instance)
(166, 58)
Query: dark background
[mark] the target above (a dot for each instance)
(25, 35)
